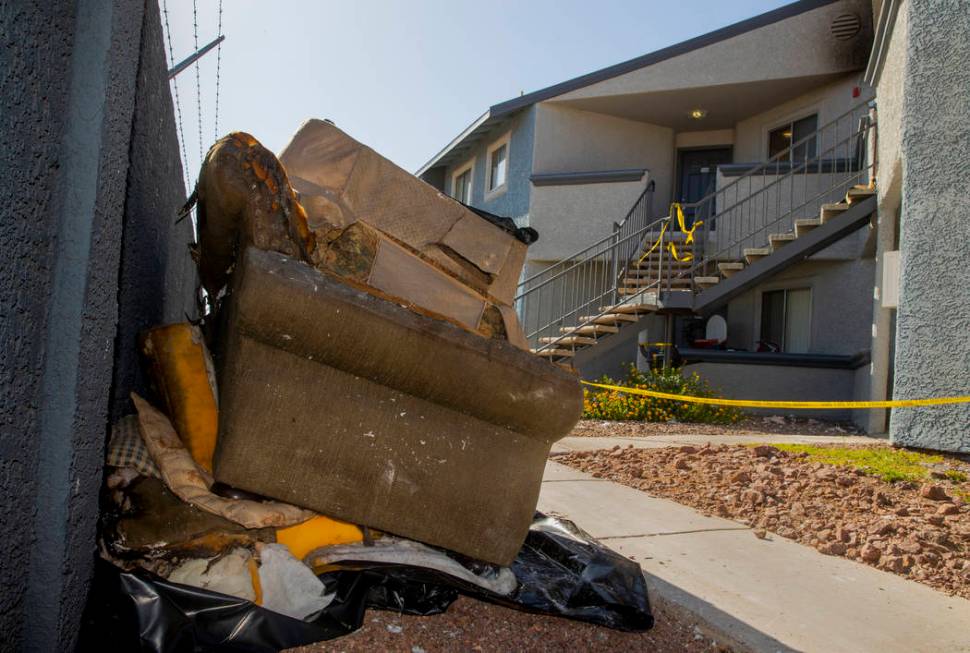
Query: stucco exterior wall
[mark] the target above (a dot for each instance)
(753, 56)
(569, 140)
(157, 279)
(829, 102)
(31, 59)
(709, 138)
(70, 74)
(780, 383)
(575, 216)
(841, 306)
(889, 188)
(514, 202)
(933, 319)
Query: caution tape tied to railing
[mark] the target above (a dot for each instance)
(675, 210)
(808, 405)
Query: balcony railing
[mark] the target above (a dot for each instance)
(741, 214)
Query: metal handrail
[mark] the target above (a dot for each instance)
(591, 281)
(645, 199)
(764, 210)
(784, 155)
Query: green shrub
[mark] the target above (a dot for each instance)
(617, 405)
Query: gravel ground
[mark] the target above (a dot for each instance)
(772, 425)
(471, 625)
(921, 532)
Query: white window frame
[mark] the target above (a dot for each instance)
(504, 139)
(470, 168)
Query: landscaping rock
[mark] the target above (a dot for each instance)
(740, 477)
(934, 493)
(900, 528)
(833, 548)
(765, 451)
(870, 553)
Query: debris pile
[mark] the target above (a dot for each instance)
(356, 422)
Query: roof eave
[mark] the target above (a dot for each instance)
(504, 108)
(696, 43)
(478, 122)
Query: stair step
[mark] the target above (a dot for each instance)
(553, 353)
(728, 269)
(609, 318)
(633, 308)
(642, 272)
(706, 282)
(804, 225)
(830, 211)
(649, 297)
(568, 340)
(752, 254)
(590, 330)
(652, 264)
(669, 235)
(857, 194)
(642, 282)
(630, 290)
(644, 269)
(780, 240)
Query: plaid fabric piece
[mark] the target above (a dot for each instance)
(127, 449)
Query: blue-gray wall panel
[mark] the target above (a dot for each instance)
(514, 202)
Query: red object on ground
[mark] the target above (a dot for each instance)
(706, 343)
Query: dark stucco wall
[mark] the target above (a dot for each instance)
(158, 280)
(33, 98)
(68, 78)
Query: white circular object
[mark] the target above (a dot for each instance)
(716, 329)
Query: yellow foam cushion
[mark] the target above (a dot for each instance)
(315, 533)
(181, 371)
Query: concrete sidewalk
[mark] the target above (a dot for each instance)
(578, 443)
(765, 595)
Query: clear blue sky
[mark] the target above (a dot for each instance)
(405, 77)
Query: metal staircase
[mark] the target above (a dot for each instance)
(772, 216)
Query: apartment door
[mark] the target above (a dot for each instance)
(697, 176)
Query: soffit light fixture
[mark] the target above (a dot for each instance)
(698, 114)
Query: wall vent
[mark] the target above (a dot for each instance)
(846, 26)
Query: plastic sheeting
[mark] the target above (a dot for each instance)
(560, 570)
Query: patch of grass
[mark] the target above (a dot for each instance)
(891, 465)
(955, 476)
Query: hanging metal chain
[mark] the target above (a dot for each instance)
(178, 104)
(218, 79)
(198, 84)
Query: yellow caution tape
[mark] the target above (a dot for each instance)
(682, 224)
(655, 245)
(815, 405)
(675, 209)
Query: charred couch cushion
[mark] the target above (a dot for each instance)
(346, 403)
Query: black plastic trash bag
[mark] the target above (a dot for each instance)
(560, 570)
